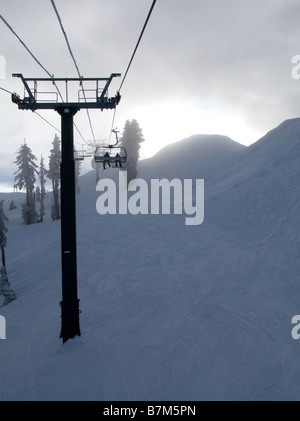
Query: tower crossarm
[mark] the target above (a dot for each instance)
(39, 99)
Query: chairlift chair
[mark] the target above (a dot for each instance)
(78, 156)
(112, 155)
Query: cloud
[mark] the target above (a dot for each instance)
(231, 58)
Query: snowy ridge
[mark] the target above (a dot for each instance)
(189, 158)
(169, 312)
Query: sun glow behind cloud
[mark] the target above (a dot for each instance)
(169, 122)
(206, 68)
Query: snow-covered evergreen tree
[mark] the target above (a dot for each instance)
(25, 179)
(12, 205)
(131, 139)
(5, 288)
(77, 173)
(3, 231)
(42, 189)
(53, 174)
(38, 194)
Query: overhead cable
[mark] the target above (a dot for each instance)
(139, 40)
(132, 57)
(40, 64)
(74, 61)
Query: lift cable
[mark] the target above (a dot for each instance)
(39, 63)
(132, 57)
(73, 58)
(32, 55)
(25, 46)
(139, 40)
(43, 118)
(5, 90)
(50, 124)
(74, 61)
(112, 125)
(65, 35)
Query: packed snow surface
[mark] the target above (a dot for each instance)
(168, 311)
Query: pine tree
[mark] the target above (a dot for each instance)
(12, 205)
(25, 178)
(5, 288)
(54, 175)
(42, 189)
(3, 231)
(38, 194)
(131, 139)
(77, 173)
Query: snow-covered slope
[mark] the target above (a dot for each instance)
(169, 311)
(189, 158)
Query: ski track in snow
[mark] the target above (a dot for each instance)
(169, 312)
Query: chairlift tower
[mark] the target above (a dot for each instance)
(91, 99)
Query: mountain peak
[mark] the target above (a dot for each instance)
(185, 157)
(199, 141)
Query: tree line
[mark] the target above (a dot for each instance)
(5, 287)
(32, 178)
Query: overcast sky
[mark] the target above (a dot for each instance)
(203, 66)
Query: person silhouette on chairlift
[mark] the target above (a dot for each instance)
(106, 160)
(118, 160)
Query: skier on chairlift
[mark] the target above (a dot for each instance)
(118, 160)
(106, 160)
